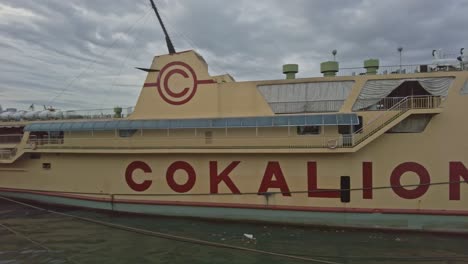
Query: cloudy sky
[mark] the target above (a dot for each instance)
(82, 53)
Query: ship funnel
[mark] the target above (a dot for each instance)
(371, 66)
(329, 68)
(290, 70)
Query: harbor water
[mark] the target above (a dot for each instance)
(28, 235)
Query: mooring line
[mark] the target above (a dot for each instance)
(172, 237)
(113, 200)
(11, 230)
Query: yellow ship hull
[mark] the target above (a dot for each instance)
(285, 188)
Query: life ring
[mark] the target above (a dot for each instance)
(332, 143)
(33, 145)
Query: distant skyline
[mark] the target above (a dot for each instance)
(83, 53)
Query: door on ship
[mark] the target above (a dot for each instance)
(408, 88)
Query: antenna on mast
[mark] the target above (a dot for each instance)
(170, 47)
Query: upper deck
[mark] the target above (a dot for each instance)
(182, 107)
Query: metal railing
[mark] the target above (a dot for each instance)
(392, 69)
(7, 154)
(105, 113)
(389, 102)
(392, 113)
(424, 102)
(10, 139)
(306, 106)
(247, 142)
(201, 141)
(34, 140)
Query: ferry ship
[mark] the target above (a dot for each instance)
(383, 147)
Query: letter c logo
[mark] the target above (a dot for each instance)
(139, 187)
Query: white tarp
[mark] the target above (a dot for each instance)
(306, 97)
(375, 90)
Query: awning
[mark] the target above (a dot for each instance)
(239, 122)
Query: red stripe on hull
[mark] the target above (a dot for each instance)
(246, 206)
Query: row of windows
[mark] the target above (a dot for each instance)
(301, 130)
(342, 129)
(207, 123)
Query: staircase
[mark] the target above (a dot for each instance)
(390, 115)
(9, 146)
(6, 154)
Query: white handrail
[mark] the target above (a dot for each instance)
(405, 99)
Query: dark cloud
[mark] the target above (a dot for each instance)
(82, 53)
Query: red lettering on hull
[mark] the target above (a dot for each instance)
(191, 176)
(216, 179)
(424, 180)
(273, 170)
(313, 189)
(139, 187)
(273, 178)
(457, 171)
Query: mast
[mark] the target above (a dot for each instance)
(170, 47)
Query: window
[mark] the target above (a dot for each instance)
(208, 137)
(127, 132)
(346, 130)
(358, 127)
(34, 155)
(308, 130)
(52, 137)
(56, 137)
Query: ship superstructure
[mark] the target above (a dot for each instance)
(381, 147)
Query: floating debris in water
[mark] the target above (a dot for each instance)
(249, 236)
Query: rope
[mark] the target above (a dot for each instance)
(32, 241)
(124, 63)
(254, 193)
(172, 237)
(93, 62)
(296, 192)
